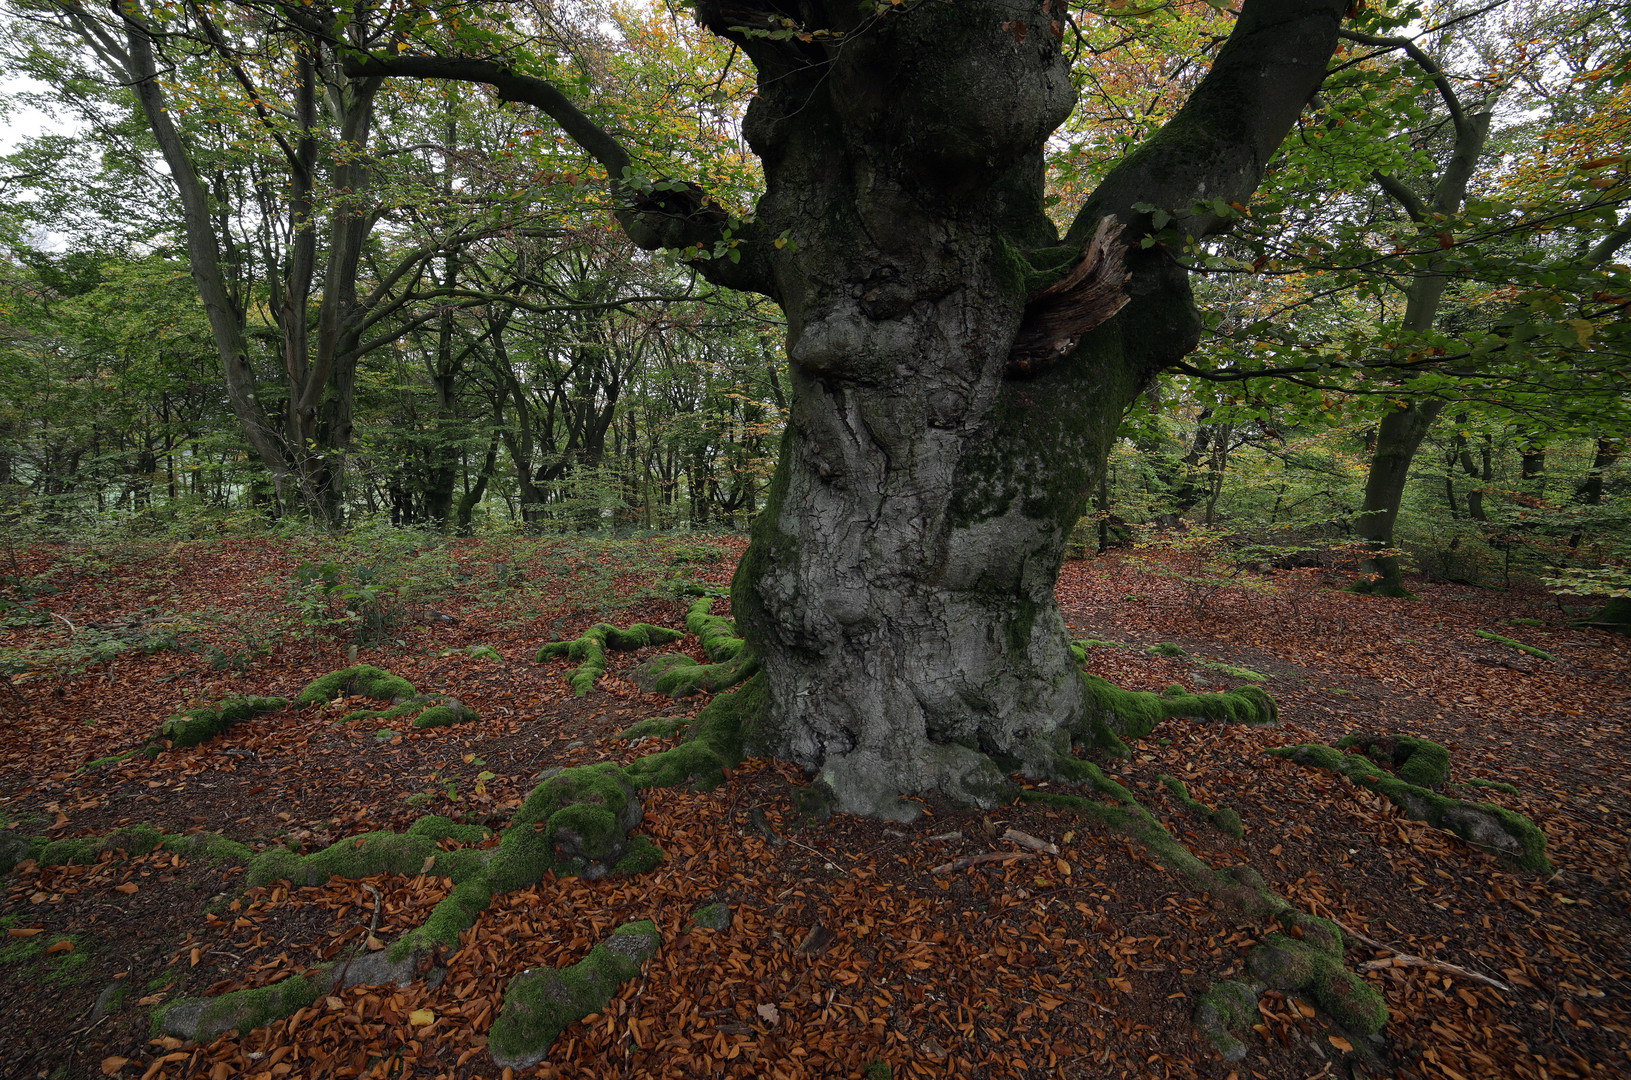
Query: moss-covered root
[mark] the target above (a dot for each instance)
(1311, 964)
(361, 680)
(1114, 714)
(1348, 1000)
(715, 742)
(130, 840)
(375, 853)
(539, 1005)
(1227, 1011)
(193, 726)
(202, 1019)
(1223, 819)
(427, 710)
(716, 633)
(677, 675)
(1422, 762)
(1495, 829)
(590, 649)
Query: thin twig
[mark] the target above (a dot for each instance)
(975, 860)
(1400, 958)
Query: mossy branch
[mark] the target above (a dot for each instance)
(1539, 654)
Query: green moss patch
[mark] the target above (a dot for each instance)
(361, 680)
(656, 727)
(716, 633)
(538, 1005)
(590, 649)
(1540, 654)
(1422, 762)
(1495, 829)
(1114, 714)
(193, 726)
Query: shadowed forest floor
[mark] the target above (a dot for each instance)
(846, 949)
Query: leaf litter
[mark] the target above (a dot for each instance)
(845, 948)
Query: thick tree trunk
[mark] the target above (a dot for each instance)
(1397, 439)
(954, 389)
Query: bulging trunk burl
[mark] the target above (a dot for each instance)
(958, 371)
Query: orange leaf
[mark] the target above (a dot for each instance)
(127, 888)
(25, 931)
(1341, 1044)
(59, 946)
(111, 1065)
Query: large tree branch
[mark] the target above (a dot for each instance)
(1428, 65)
(682, 216)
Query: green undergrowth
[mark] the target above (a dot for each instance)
(364, 680)
(1495, 829)
(590, 649)
(1305, 957)
(193, 726)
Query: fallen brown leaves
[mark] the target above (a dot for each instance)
(846, 948)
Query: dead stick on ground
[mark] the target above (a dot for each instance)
(975, 860)
(1400, 958)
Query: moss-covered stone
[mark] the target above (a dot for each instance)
(641, 857)
(1495, 829)
(451, 711)
(193, 726)
(361, 680)
(712, 917)
(589, 649)
(538, 1005)
(1225, 1012)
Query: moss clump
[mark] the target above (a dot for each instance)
(211, 846)
(577, 822)
(1223, 819)
(1170, 649)
(202, 1019)
(1315, 968)
(716, 633)
(1422, 762)
(1493, 785)
(642, 856)
(1495, 829)
(538, 1005)
(193, 726)
(353, 857)
(590, 649)
(449, 712)
(361, 680)
(1539, 654)
(712, 917)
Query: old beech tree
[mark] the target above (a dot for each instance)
(958, 369)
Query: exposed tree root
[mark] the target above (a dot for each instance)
(1222, 819)
(131, 840)
(1305, 958)
(363, 680)
(590, 649)
(194, 726)
(677, 675)
(1493, 828)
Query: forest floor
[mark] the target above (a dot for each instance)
(1085, 964)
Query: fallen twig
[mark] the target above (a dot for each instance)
(1400, 958)
(1026, 840)
(974, 860)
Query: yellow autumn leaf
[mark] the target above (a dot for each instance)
(421, 1018)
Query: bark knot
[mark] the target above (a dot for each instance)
(1089, 295)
